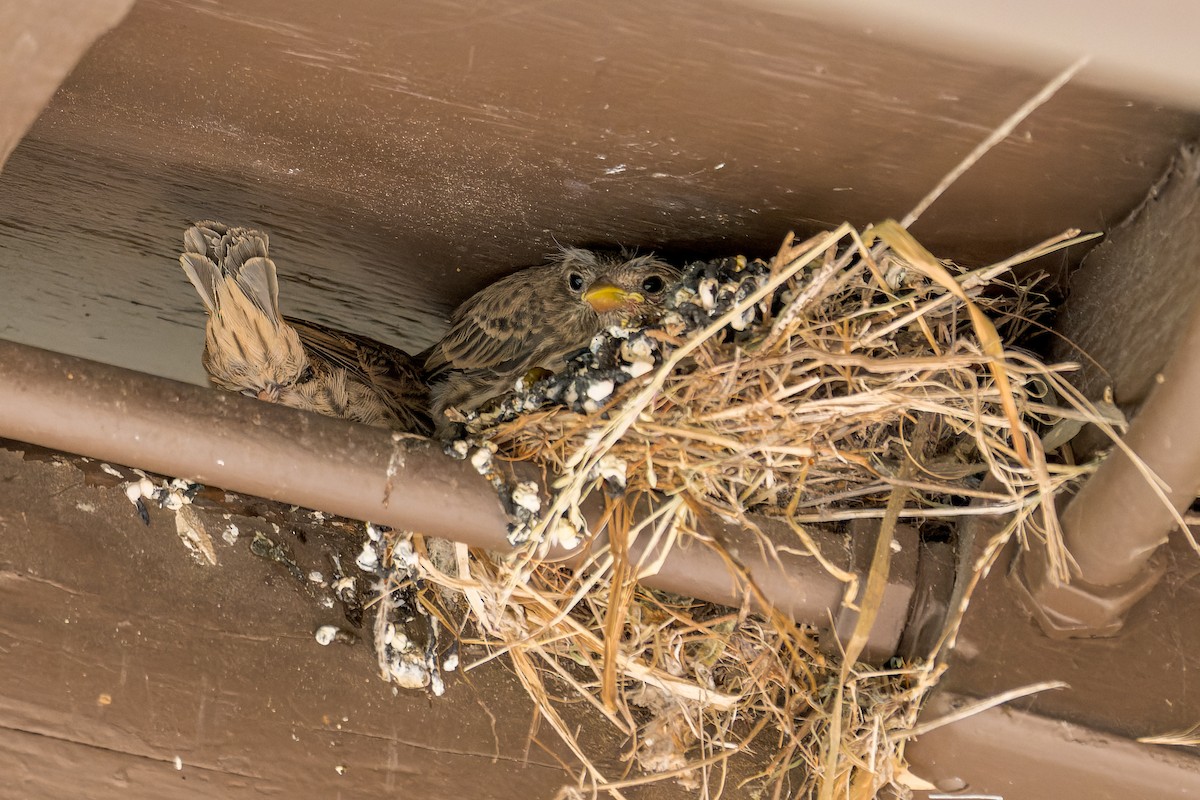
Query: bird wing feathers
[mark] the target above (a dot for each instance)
(393, 374)
(250, 346)
(486, 334)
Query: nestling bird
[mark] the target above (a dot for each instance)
(251, 348)
(533, 318)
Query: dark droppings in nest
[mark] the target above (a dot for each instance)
(706, 291)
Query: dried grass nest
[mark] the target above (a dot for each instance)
(852, 376)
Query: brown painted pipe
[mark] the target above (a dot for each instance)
(1116, 524)
(294, 457)
(1117, 521)
(235, 442)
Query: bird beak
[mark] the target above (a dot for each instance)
(269, 393)
(603, 296)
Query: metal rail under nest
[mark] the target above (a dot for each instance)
(408, 482)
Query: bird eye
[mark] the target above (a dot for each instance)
(653, 285)
(306, 376)
(575, 281)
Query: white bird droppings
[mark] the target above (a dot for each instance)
(325, 635)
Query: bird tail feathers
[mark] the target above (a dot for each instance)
(214, 254)
(248, 344)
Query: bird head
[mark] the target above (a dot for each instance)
(271, 384)
(616, 285)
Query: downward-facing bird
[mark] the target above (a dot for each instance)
(251, 348)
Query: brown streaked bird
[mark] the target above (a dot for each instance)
(253, 349)
(533, 318)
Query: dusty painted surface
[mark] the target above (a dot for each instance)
(120, 653)
(403, 155)
(481, 130)
(89, 265)
(1138, 52)
(1124, 319)
(40, 42)
(1136, 684)
(1037, 757)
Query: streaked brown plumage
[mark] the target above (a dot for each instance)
(251, 348)
(532, 318)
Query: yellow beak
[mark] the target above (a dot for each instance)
(603, 297)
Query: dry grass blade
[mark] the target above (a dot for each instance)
(903, 243)
(995, 137)
(869, 607)
(1189, 737)
(979, 707)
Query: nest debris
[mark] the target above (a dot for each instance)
(853, 376)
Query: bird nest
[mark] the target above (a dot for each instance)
(852, 377)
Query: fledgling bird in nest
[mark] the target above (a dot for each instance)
(253, 349)
(531, 319)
